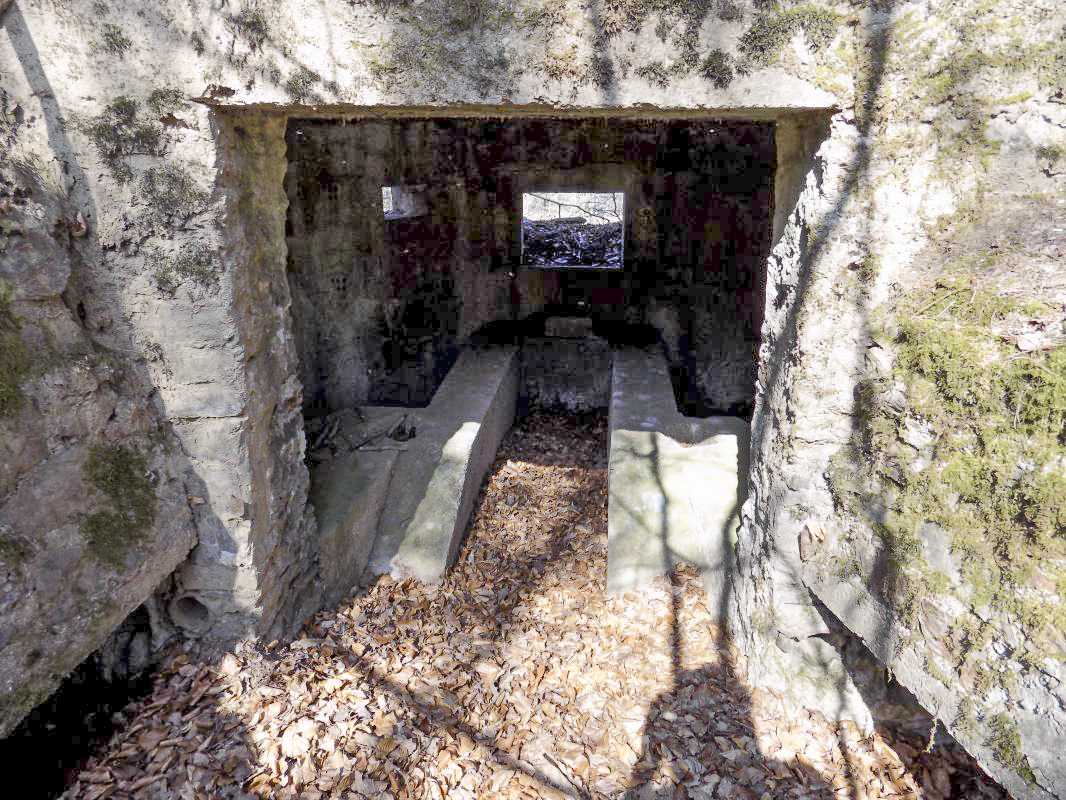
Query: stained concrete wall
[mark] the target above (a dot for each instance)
(130, 114)
(382, 303)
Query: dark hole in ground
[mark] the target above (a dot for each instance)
(56, 740)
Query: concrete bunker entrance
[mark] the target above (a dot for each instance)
(425, 284)
(387, 293)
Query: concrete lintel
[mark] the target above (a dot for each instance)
(643, 111)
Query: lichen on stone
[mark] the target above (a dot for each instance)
(171, 193)
(119, 132)
(121, 474)
(196, 265)
(14, 356)
(113, 41)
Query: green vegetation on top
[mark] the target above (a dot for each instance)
(995, 478)
(771, 31)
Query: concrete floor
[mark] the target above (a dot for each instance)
(676, 483)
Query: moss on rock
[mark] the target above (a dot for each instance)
(771, 31)
(992, 474)
(122, 475)
(12, 551)
(717, 67)
(14, 357)
(1006, 742)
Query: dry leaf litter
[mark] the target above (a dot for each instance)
(515, 678)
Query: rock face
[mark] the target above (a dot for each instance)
(93, 509)
(150, 333)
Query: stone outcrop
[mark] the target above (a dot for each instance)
(93, 507)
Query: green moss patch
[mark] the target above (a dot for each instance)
(718, 68)
(15, 705)
(992, 475)
(1006, 743)
(622, 15)
(14, 357)
(301, 83)
(165, 100)
(122, 475)
(8, 228)
(13, 551)
(770, 32)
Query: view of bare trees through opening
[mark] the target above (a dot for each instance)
(398, 202)
(572, 229)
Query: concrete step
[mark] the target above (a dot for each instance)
(348, 491)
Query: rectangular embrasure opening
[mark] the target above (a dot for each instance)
(572, 230)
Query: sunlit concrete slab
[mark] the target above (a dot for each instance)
(438, 477)
(675, 483)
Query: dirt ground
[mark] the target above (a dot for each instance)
(516, 677)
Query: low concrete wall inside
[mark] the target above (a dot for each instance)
(439, 475)
(567, 369)
(675, 483)
(353, 467)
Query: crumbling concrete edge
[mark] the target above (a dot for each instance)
(869, 620)
(431, 541)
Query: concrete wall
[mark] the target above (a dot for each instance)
(124, 125)
(381, 303)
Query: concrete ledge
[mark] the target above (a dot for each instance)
(437, 479)
(675, 483)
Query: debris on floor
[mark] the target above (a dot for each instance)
(572, 241)
(517, 677)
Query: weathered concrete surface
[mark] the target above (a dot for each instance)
(348, 492)
(98, 98)
(675, 483)
(437, 479)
